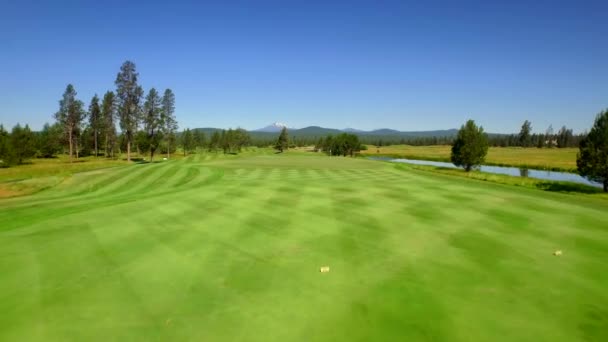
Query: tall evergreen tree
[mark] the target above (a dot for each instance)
(282, 141)
(129, 95)
(524, 134)
(470, 147)
(564, 137)
(169, 120)
(95, 122)
(108, 115)
(5, 148)
(70, 117)
(187, 141)
(23, 143)
(592, 159)
(153, 121)
(198, 138)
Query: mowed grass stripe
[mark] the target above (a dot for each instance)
(139, 176)
(162, 180)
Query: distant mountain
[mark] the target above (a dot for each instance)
(275, 127)
(411, 134)
(382, 131)
(271, 131)
(314, 130)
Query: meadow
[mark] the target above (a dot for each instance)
(214, 247)
(557, 159)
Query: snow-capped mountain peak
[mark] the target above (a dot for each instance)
(275, 127)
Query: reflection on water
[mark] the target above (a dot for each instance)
(510, 171)
(523, 172)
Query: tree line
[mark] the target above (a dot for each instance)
(147, 122)
(562, 139)
(344, 144)
(229, 141)
(310, 140)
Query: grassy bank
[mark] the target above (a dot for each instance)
(532, 183)
(562, 159)
(41, 173)
(216, 247)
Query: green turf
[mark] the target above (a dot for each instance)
(229, 248)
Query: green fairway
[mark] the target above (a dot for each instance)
(216, 247)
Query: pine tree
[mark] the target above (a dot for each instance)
(108, 114)
(524, 134)
(470, 147)
(564, 137)
(5, 148)
(592, 159)
(95, 122)
(187, 141)
(70, 117)
(129, 95)
(282, 141)
(23, 143)
(169, 120)
(152, 120)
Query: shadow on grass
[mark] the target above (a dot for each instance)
(568, 187)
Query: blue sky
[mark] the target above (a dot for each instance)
(365, 64)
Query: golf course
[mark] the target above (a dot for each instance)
(215, 247)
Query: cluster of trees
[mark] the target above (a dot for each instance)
(229, 141)
(563, 138)
(344, 144)
(147, 122)
(17, 146)
(22, 144)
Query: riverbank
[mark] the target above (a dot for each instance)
(532, 183)
(552, 159)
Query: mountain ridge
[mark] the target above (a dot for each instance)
(276, 127)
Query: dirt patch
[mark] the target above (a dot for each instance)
(6, 193)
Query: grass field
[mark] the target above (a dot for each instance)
(42, 173)
(214, 248)
(540, 158)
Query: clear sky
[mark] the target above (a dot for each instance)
(417, 65)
